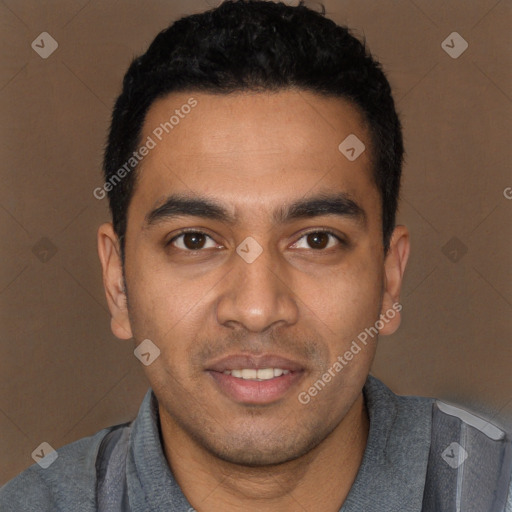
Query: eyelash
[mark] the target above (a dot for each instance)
(317, 230)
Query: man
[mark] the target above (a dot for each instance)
(253, 170)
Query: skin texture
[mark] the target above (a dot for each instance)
(255, 153)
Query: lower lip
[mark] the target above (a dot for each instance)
(254, 391)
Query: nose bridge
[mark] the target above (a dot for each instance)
(256, 295)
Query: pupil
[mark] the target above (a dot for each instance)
(195, 240)
(318, 240)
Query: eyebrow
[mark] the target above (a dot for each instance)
(179, 205)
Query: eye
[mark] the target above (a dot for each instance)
(318, 240)
(192, 241)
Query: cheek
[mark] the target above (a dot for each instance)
(349, 305)
(172, 310)
(163, 298)
(346, 299)
(165, 314)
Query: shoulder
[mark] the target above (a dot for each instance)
(409, 413)
(461, 449)
(67, 483)
(471, 453)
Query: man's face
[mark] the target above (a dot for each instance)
(297, 306)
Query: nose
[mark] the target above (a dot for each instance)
(257, 294)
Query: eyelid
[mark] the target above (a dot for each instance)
(184, 232)
(342, 241)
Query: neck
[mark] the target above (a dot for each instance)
(319, 480)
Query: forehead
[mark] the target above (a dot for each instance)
(250, 149)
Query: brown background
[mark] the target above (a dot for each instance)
(65, 376)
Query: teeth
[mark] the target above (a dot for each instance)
(261, 374)
(249, 374)
(266, 373)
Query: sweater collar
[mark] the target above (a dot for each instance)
(391, 475)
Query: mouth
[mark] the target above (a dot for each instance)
(256, 380)
(257, 375)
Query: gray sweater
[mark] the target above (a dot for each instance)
(421, 455)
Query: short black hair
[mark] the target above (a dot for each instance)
(256, 45)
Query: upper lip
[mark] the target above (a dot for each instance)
(257, 362)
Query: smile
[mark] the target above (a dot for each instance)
(257, 375)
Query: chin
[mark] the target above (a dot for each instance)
(243, 452)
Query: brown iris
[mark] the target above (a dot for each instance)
(318, 240)
(194, 241)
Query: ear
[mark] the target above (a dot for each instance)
(110, 257)
(394, 267)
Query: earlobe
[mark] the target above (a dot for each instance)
(394, 268)
(109, 254)
(119, 330)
